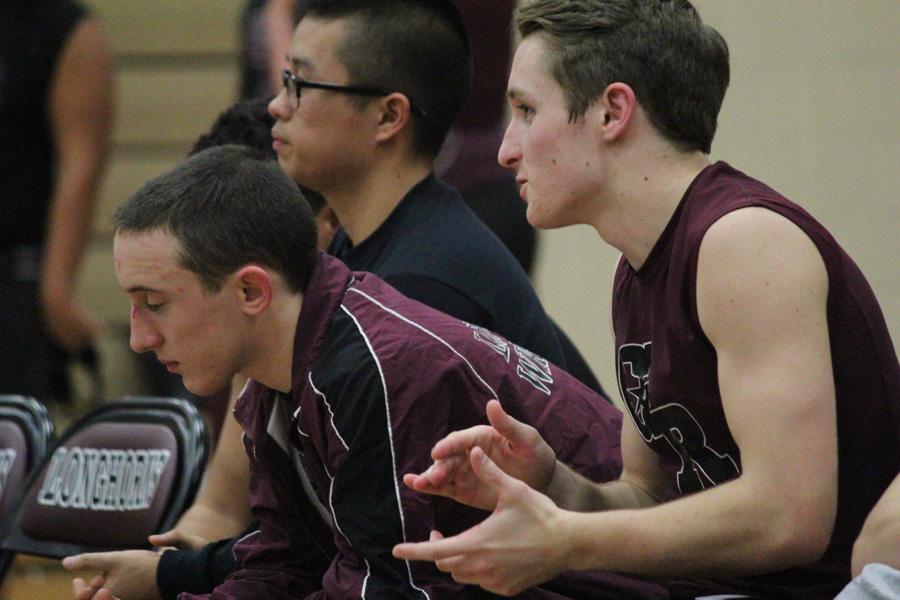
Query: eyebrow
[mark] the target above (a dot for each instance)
(141, 288)
(299, 63)
(515, 93)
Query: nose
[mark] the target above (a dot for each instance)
(510, 153)
(279, 106)
(144, 336)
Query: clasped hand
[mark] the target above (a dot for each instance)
(502, 467)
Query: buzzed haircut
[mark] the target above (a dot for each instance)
(228, 206)
(248, 123)
(416, 47)
(676, 65)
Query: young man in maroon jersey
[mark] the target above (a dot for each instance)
(753, 357)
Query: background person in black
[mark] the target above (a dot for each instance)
(55, 118)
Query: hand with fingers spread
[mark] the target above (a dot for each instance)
(130, 574)
(520, 545)
(518, 449)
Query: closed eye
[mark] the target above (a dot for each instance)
(149, 303)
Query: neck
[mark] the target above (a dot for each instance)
(363, 205)
(271, 358)
(647, 185)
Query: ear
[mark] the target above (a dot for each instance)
(394, 116)
(618, 108)
(254, 289)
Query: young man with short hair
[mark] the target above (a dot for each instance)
(369, 97)
(753, 357)
(222, 505)
(351, 382)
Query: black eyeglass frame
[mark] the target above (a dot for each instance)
(299, 83)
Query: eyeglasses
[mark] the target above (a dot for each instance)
(293, 86)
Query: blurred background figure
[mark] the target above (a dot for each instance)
(468, 160)
(55, 121)
(266, 28)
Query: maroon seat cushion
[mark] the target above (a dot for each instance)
(125, 471)
(13, 464)
(109, 484)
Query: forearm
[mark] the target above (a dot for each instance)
(573, 492)
(222, 506)
(729, 530)
(80, 107)
(641, 483)
(279, 26)
(69, 223)
(207, 522)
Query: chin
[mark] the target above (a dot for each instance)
(538, 220)
(284, 161)
(203, 387)
(545, 220)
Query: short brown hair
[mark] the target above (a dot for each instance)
(676, 65)
(227, 206)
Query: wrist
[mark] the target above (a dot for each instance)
(583, 544)
(556, 488)
(570, 531)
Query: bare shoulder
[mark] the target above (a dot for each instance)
(88, 41)
(756, 264)
(756, 233)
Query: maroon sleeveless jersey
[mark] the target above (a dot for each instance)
(667, 371)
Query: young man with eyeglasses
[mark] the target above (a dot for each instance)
(371, 91)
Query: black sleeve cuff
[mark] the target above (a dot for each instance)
(195, 571)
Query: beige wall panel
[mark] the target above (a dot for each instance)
(120, 373)
(170, 26)
(812, 110)
(573, 272)
(126, 173)
(171, 105)
(100, 292)
(119, 366)
(98, 288)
